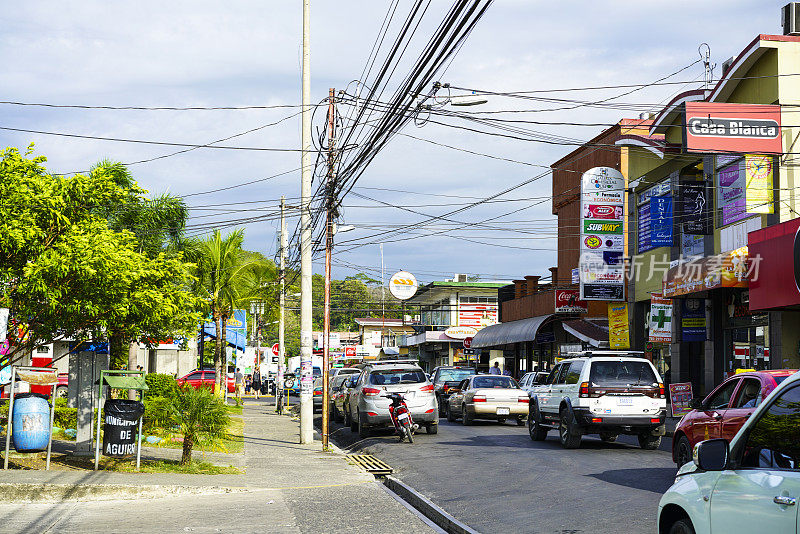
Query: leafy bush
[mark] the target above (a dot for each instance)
(65, 417)
(156, 413)
(161, 385)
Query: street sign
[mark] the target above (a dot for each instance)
(467, 342)
(470, 352)
(276, 349)
(350, 352)
(403, 285)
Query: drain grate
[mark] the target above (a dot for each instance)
(370, 464)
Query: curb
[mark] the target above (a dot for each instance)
(427, 508)
(13, 493)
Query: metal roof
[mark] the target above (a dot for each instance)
(506, 333)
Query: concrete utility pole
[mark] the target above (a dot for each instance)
(306, 370)
(281, 323)
(329, 216)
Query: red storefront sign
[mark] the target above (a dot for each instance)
(775, 283)
(568, 301)
(737, 128)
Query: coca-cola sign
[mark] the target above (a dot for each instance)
(568, 301)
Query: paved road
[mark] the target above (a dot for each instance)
(495, 479)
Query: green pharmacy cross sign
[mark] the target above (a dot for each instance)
(661, 319)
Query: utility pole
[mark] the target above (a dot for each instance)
(281, 323)
(306, 319)
(329, 217)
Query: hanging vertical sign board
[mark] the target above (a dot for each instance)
(758, 180)
(693, 320)
(618, 331)
(660, 319)
(661, 221)
(601, 273)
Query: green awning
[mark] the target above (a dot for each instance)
(126, 382)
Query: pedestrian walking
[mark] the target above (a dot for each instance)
(247, 384)
(256, 381)
(496, 369)
(238, 381)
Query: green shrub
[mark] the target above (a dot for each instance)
(161, 385)
(157, 413)
(65, 417)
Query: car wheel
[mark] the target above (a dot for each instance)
(353, 422)
(337, 416)
(682, 526)
(432, 428)
(520, 421)
(569, 435)
(535, 430)
(466, 418)
(451, 416)
(445, 409)
(684, 452)
(648, 442)
(608, 437)
(363, 429)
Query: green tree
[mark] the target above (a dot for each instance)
(66, 274)
(201, 416)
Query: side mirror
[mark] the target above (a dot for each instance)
(695, 404)
(711, 455)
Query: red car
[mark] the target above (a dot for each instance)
(723, 412)
(204, 378)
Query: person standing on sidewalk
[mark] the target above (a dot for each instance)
(256, 384)
(238, 380)
(496, 369)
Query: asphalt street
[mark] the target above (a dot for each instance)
(495, 479)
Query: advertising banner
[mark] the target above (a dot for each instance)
(730, 269)
(692, 245)
(643, 228)
(680, 395)
(720, 127)
(758, 180)
(661, 221)
(601, 274)
(775, 284)
(693, 320)
(731, 192)
(568, 301)
(660, 319)
(695, 208)
(618, 331)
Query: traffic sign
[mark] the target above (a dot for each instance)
(276, 349)
(470, 352)
(467, 342)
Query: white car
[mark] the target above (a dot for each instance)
(600, 392)
(749, 485)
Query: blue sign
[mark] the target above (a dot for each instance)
(644, 228)
(693, 320)
(235, 329)
(661, 221)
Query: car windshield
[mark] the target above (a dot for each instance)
(622, 373)
(397, 376)
(454, 375)
(505, 382)
(779, 379)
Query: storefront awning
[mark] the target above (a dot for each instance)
(511, 332)
(591, 332)
(730, 269)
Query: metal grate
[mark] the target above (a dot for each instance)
(370, 464)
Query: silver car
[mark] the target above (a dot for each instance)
(368, 408)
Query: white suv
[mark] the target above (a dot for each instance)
(600, 392)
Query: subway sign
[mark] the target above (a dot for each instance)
(732, 128)
(602, 227)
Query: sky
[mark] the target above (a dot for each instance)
(247, 53)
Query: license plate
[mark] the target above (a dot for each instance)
(503, 411)
(402, 416)
(624, 401)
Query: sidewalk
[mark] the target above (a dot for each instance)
(287, 487)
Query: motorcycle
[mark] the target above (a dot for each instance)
(401, 417)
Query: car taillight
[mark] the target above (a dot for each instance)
(429, 411)
(655, 420)
(370, 392)
(584, 390)
(597, 419)
(479, 398)
(661, 391)
(445, 388)
(523, 399)
(429, 387)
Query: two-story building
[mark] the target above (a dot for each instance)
(380, 337)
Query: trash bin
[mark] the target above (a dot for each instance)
(120, 425)
(31, 422)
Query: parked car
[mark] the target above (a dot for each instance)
(533, 379)
(317, 395)
(337, 391)
(446, 377)
(341, 371)
(204, 378)
(487, 397)
(600, 392)
(750, 484)
(342, 401)
(723, 412)
(368, 408)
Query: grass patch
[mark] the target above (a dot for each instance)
(232, 444)
(234, 410)
(64, 462)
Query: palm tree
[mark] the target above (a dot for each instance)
(200, 415)
(225, 278)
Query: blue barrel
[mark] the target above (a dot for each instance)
(31, 423)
